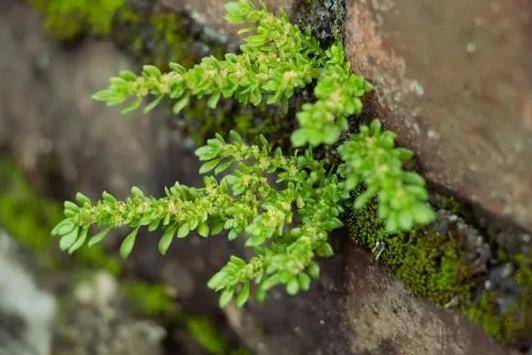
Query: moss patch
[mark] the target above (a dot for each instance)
(210, 338)
(510, 323)
(68, 19)
(427, 261)
(150, 299)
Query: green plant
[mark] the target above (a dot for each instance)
(284, 206)
(286, 224)
(370, 157)
(275, 60)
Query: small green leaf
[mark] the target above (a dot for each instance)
(101, 95)
(79, 242)
(217, 226)
(363, 199)
(217, 282)
(151, 71)
(64, 227)
(423, 214)
(314, 270)
(331, 134)
(82, 199)
(127, 75)
(183, 231)
(226, 297)
(298, 138)
(243, 296)
(71, 206)
(213, 100)
(233, 234)
(149, 107)
(207, 152)
(405, 220)
(127, 245)
(270, 282)
(180, 105)
(97, 238)
(203, 229)
(324, 250)
(136, 191)
(208, 166)
(292, 287)
(166, 240)
(304, 281)
(223, 166)
(132, 106)
(154, 224)
(68, 239)
(178, 68)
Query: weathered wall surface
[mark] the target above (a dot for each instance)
(46, 115)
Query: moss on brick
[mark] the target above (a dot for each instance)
(432, 264)
(427, 261)
(509, 323)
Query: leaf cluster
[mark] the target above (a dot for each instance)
(284, 207)
(371, 158)
(275, 59)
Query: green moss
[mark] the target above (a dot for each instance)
(512, 324)
(207, 335)
(67, 19)
(153, 37)
(150, 299)
(428, 262)
(23, 214)
(451, 204)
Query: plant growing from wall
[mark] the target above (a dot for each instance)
(283, 205)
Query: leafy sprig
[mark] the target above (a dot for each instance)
(276, 58)
(338, 92)
(286, 222)
(370, 158)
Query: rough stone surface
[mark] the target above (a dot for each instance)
(26, 311)
(454, 80)
(94, 322)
